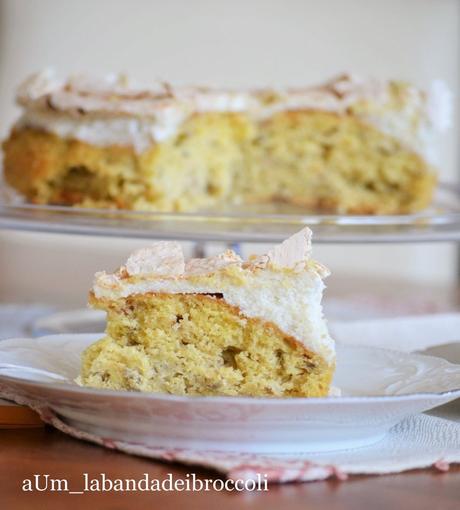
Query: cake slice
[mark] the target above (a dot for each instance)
(346, 146)
(213, 326)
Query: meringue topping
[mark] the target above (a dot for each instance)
(116, 111)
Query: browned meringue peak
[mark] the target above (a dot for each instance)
(293, 253)
(80, 94)
(116, 95)
(164, 258)
(347, 84)
(36, 86)
(119, 85)
(114, 86)
(212, 264)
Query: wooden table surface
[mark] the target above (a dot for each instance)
(26, 452)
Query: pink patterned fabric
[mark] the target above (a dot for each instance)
(278, 469)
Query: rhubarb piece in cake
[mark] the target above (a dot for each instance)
(213, 326)
(347, 146)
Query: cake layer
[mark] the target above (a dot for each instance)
(313, 159)
(196, 344)
(214, 326)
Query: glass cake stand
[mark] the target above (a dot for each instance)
(256, 223)
(267, 223)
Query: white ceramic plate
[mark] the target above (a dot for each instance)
(379, 388)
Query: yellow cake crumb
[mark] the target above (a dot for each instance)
(317, 159)
(186, 344)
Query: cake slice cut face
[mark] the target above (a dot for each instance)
(213, 326)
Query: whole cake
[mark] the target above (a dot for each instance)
(347, 146)
(213, 326)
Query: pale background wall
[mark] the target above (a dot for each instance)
(230, 43)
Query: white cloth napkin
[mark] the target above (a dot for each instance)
(406, 334)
